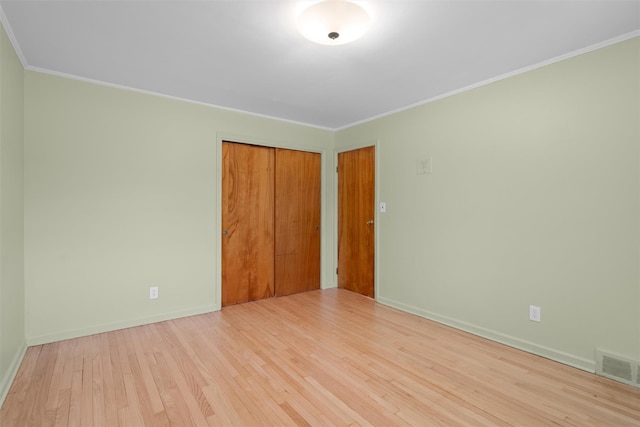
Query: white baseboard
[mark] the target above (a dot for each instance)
(98, 329)
(10, 375)
(529, 347)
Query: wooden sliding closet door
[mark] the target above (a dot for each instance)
(297, 221)
(247, 223)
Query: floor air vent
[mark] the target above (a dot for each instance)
(617, 368)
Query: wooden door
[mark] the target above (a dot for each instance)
(356, 212)
(247, 223)
(297, 221)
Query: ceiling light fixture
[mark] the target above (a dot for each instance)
(333, 22)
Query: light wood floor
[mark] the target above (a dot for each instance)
(318, 358)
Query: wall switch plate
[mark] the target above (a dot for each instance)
(424, 166)
(153, 292)
(534, 313)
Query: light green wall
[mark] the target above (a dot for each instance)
(534, 199)
(121, 193)
(637, 131)
(12, 334)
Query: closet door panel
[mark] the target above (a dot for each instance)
(297, 221)
(248, 243)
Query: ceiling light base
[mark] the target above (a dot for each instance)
(333, 22)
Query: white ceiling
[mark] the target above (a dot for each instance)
(247, 55)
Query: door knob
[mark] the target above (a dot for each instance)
(225, 232)
(370, 222)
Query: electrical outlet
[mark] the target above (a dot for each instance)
(153, 292)
(534, 313)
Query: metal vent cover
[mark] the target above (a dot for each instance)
(618, 368)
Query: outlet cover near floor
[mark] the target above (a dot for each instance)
(534, 313)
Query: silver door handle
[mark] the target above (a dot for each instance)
(225, 232)
(370, 222)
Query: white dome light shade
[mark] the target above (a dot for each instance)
(333, 22)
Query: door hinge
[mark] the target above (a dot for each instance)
(336, 271)
(336, 168)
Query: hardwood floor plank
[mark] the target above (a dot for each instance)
(98, 404)
(117, 377)
(320, 358)
(301, 396)
(109, 396)
(75, 403)
(51, 405)
(133, 413)
(62, 410)
(224, 414)
(142, 367)
(295, 416)
(175, 409)
(41, 380)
